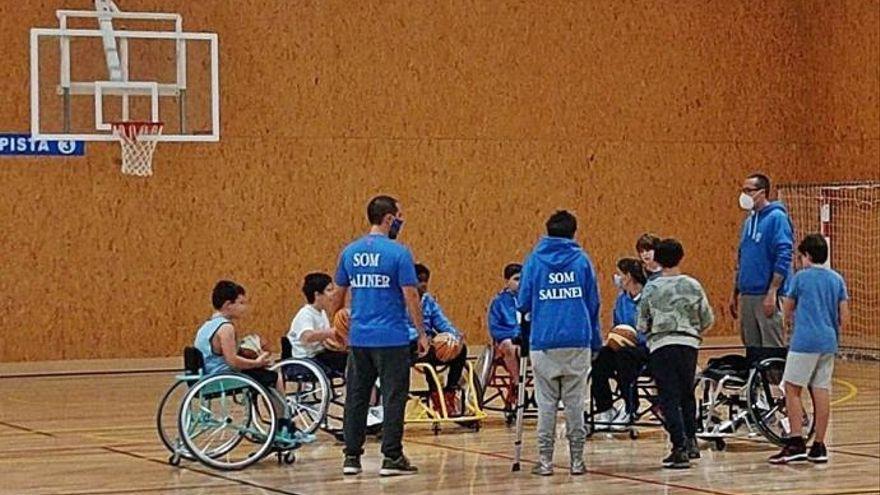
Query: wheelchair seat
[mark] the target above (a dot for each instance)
(733, 367)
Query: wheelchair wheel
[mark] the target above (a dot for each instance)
(216, 421)
(766, 403)
(307, 392)
(166, 422)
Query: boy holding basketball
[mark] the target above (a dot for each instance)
(216, 340)
(559, 292)
(311, 326)
(817, 302)
(674, 312)
(436, 322)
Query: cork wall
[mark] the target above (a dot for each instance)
(482, 117)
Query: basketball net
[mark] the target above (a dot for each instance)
(137, 153)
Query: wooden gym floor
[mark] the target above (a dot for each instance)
(94, 433)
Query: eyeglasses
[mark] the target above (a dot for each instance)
(749, 190)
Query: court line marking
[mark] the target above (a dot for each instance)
(591, 471)
(853, 391)
(144, 490)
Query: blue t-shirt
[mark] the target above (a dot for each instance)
(375, 268)
(817, 293)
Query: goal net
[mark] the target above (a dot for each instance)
(848, 215)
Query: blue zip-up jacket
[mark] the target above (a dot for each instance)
(626, 312)
(765, 248)
(502, 317)
(435, 320)
(558, 288)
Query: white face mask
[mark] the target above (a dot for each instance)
(746, 202)
(618, 281)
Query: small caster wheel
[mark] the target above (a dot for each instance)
(286, 457)
(633, 433)
(436, 429)
(719, 445)
(174, 459)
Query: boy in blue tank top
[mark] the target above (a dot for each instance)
(217, 341)
(817, 303)
(381, 276)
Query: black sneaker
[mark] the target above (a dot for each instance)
(351, 465)
(818, 453)
(692, 448)
(678, 459)
(397, 467)
(794, 451)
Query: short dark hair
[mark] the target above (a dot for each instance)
(634, 268)
(763, 182)
(379, 207)
(315, 283)
(423, 270)
(669, 253)
(815, 247)
(562, 224)
(511, 269)
(225, 290)
(647, 242)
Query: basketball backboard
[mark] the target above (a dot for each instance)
(105, 65)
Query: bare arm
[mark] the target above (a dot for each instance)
(788, 308)
(229, 349)
(312, 336)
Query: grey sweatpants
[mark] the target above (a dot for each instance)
(561, 374)
(755, 328)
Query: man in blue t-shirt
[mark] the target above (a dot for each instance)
(817, 299)
(558, 290)
(381, 276)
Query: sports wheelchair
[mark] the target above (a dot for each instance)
(647, 408)
(497, 387)
(745, 392)
(419, 408)
(225, 421)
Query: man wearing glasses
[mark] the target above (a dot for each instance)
(763, 264)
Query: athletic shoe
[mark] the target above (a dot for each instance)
(818, 453)
(794, 451)
(351, 465)
(397, 467)
(678, 459)
(692, 448)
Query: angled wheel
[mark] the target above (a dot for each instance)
(766, 403)
(307, 392)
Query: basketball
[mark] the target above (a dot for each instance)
(446, 346)
(250, 346)
(339, 341)
(621, 336)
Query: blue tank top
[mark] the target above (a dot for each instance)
(214, 363)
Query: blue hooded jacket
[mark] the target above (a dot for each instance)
(503, 323)
(435, 319)
(558, 289)
(626, 312)
(765, 248)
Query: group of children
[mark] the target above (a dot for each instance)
(556, 291)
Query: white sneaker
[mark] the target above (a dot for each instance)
(620, 421)
(603, 419)
(375, 416)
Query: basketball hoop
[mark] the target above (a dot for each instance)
(138, 141)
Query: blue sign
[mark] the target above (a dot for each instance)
(25, 145)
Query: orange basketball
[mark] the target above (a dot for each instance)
(622, 336)
(250, 346)
(339, 341)
(446, 346)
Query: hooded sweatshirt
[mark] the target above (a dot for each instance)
(503, 323)
(765, 248)
(558, 289)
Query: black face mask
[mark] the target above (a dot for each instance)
(396, 225)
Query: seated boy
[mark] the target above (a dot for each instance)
(311, 326)
(504, 328)
(216, 339)
(437, 322)
(626, 363)
(817, 302)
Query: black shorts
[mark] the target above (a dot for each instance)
(264, 377)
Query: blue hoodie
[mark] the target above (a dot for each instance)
(434, 318)
(626, 312)
(559, 290)
(502, 317)
(765, 248)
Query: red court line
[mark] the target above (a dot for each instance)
(141, 490)
(592, 471)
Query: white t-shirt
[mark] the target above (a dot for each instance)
(308, 318)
